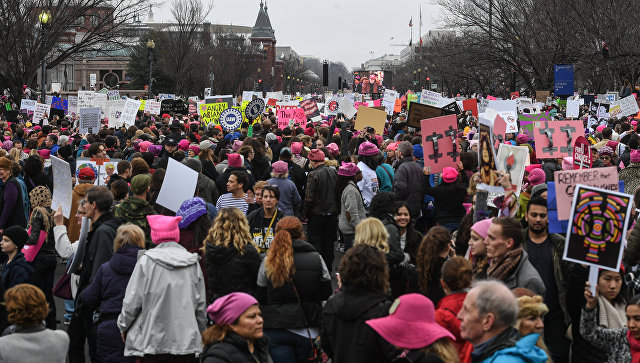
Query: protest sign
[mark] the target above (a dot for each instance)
(230, 119)
(430, 98)
(346, 106)
(582, 156)
(254, 108)
(515, 95)
(48, 99)
(59, 104)
(129, 112)
(624, 107)
(27, 105)
(220, 99)
(103, 168)
(566, 181)
(597, 227)
(179, 184)
(114, 111)
(513, 159)
(73, 104)
(173, 106)
(143, 104)
(471, 105)
(41, 112)
(62, 187)
(310, 107)
(439, 142)
(508, 110)
(331, 107)
(113, 95)
(419, 112)
(100, 100)
(275, 95)
(486, 159)
(370, 117)
(498, 131)
(210, 112)
(554, 139)
(89, 119)
(85, 99)
(541, 96)
(152, 107)
(573, 109)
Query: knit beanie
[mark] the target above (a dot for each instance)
(164, 228)
(482, 227)
(536, 176)
(17, 235)
(227, 309)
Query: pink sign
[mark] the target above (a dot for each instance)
(566, 181)
(471, 105)
(284, 116)
(498, 131)
(377, 103)
(439, 142)
(582, 156)
(555, 139)
(358, 104)
(491, 98)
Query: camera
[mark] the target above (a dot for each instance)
(633, 282)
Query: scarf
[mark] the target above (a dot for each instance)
(634, 347)
(40, 198)
(608, 316)
(501, 267)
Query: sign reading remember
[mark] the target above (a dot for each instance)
(566, 181)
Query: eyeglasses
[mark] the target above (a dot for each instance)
(80, 213)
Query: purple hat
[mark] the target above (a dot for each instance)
(280, 167)
(237, 144)
(368, 149)
(605, 150)
(411, 323)
(154, 149)
(227, 309)
(190, 210)
(7, 145)
(348, 169)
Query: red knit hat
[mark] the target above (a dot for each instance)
(164, 228)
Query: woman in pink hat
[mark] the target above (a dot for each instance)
(237, 331)
(411, 328)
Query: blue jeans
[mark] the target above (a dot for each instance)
(287, 347)
(348, 240)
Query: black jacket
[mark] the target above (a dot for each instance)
(260, 166)
(448, 199)
(99, 247)
(229, 271)
(40, 179)
(297, 176)
(319, 198)
(16, 272)
(345, 335)
(234, 349)
(280, 307)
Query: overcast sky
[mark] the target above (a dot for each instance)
(337, 30)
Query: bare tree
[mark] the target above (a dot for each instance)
(234, 61)
(76, 26)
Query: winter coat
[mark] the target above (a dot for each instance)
(135, 210)
(209, 170)
(260, 166)
(39, 179)
(448, 199)
(261, 237)
(99, 247)
(345, 335)
(16, 272)
(230, 271)
(207, 189)
(73, 229)
(612, 341)
(632, 250)
(297, 176)
(549, 167)
(385, 177)
(525, 275)
(525, 351)
(319, 198)
(280, 306)
(234, 349)
(408, 184)
(413, 241)
(34, 345)
(447, 315)
(11, 207)
(165, 294)
(631, 177)
(351, 202)
(37, 224)
(289, 197)
(106, 291)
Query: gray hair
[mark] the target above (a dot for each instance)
(495, 297)
(63, 140)
(405, 148)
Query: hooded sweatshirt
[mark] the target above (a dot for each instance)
(135, 210)
(166, 293)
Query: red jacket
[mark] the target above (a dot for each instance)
(447, 316)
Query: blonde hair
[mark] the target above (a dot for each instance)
(14, 155)
(128, 234)
(230, 228)
(444, 349)
(371, 232)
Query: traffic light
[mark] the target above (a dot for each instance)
(428, 79)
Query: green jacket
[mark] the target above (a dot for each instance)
(561, 269)
(135, 210)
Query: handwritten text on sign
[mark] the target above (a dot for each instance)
(566, 180)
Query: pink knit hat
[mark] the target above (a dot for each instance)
(227, 309)
(182, 145)
(280, 167)
(567, 163)
(164, 228)
(144, 146)
(600, 128)
(237, 144)
(296, 147)
(635, 156)
(316, 155)
(411, 323)
(368, 149)
(234, 160)
(482, 227)
(348, 169)
(449, 174)
(195, 149)
(44, 153)
(333, 148)
(536, 176)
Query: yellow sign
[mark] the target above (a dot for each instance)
(210, 112)
(141, 108)
(242, 108)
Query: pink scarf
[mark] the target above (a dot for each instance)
(634, 347)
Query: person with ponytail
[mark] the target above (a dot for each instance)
(457, 277)
(44, 260)
(293, 281)
(432, 253)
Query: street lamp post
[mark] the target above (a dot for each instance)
(150, 45)
(45, 19)
(211, 77)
